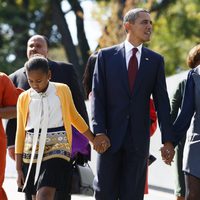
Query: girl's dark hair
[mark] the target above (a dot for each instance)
(37, 62)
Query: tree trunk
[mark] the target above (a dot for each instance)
(82, 40)
(20, 29)
(70, 50)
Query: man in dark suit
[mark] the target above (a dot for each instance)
(120, 110)
(61, 72)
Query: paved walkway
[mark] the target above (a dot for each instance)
(11, 190)
(160, 180)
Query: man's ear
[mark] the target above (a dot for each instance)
(127, 26)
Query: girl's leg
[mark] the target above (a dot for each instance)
(45, 193)
(180, 198)
(192, 187)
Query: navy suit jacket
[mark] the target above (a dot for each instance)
(61, 72)
(115, 110)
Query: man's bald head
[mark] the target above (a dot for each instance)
(37, 44)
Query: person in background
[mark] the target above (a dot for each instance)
(153, 127)
(190, 109)
(8, 100)
(63, 73)
(176, 103)
(125, 77)
(88, 74)
(44, 137)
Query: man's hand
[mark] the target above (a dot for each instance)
(101, 143)
(11, 152)
(167, 153)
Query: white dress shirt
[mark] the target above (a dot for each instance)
(128, 52)
(54, 108)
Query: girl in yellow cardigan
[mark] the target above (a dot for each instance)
(45, 114)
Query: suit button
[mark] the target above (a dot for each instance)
(127, 116)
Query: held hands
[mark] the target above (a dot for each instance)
(167, 153)
(101, 143)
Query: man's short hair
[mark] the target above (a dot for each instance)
(133, 14)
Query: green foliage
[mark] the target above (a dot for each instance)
(175, 28)
(176, 31)
(57, 53)
(18, 20)
(14, 27)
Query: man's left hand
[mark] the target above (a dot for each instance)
(167, 153)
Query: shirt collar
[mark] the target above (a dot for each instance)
(129, 47)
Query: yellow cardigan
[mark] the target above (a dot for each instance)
(69, 114)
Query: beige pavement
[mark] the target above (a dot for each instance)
(11, 190)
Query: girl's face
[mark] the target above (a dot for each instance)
(38, 80)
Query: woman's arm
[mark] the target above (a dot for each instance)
(8, 112)
(183, 120)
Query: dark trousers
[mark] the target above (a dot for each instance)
(121, 175)
(179, 174)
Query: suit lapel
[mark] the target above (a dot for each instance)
(122, 63)
(25, 82)
(52, 67)
(142, 72)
